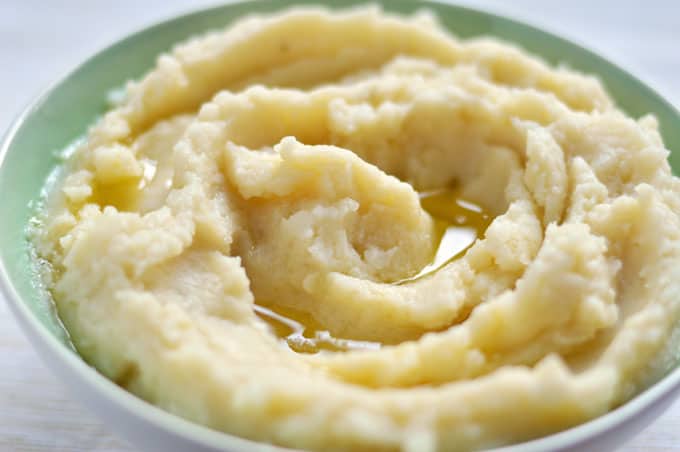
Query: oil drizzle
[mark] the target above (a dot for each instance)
(457, 222)
(302, 334)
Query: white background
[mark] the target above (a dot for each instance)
(42, 39)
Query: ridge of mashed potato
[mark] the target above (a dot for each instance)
(281, 160)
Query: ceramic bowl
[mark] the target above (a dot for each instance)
(63, 113)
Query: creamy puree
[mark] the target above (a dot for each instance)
(273, 172)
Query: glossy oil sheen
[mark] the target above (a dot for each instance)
(457, 222)
(65, 111)
(301, 333)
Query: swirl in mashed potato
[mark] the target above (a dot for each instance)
(282, 159)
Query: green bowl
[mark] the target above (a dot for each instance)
(29, 153)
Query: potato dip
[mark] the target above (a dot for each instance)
(353, 231)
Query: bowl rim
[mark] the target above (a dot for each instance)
(214, 439)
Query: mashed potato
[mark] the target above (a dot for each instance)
(281, 161)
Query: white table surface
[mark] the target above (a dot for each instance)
(40, 40)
